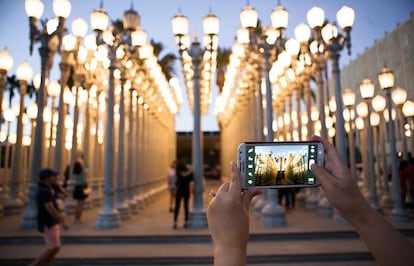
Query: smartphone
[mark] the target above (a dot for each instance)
(279, 164)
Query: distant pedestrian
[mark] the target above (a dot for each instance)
(81, 190)
(48, 216)
(184, 178)
(172, 188)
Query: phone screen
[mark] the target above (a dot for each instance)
(281, 164)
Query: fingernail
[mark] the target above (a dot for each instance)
(314, 166)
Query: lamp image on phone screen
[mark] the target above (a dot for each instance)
(279, 164)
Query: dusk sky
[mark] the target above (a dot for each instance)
(373, 19)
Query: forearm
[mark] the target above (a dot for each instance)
(229, 256)
(55, 213)
(387, 245)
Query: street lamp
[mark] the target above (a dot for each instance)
(6, 63)
(367, 90)
(386, 81)
(333, 43)
(198, 83)
(269, 40)
(14, 205)
(348, 97)
(50, 38)
(399, 96)
(378, 105)
(408, 111)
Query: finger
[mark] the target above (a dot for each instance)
(235, 186)
(321, 174)
(223, 188)
(248, 195)
(329, 148)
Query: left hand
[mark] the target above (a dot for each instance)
(228, 213)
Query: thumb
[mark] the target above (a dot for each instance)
(321, 174)
(248, 195)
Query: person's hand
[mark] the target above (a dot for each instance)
(228, 213)
(339, 186)
(65, 226)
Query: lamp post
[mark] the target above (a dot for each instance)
(14, 205)
(408, 111)
(399, 96)
(67, 61)
(273, 215)
(50, 39)
(334, 42)
(348, 96)
(378, 105)
(199, 85)
(6, 63)
(386, 81)
(9, 117)
(53, 90)
(109, 216)
(367, 92)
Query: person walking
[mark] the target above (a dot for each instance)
(48, 216)
(172, 188)
(81, 188)
(184, 178)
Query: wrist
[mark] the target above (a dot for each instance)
(230, 255)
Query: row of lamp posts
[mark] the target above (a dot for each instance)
(151, 104)
(294, 62)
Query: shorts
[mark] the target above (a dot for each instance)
(51, 235)
(78, 192)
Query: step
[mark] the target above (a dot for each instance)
(294, 251)
(186, 238)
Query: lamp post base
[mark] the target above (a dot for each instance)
(198, 219)
(399, 215)
(132, 205)
(272, 214)
(312, 200)
(259, 205)
(13, 207)
(386, 202)
(107, 219)
(324, 207)
(123, 210)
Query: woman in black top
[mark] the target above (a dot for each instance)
(184, 178)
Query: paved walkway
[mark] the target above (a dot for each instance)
(156, 220)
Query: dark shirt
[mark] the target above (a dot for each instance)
(183, 181)
(45, 195)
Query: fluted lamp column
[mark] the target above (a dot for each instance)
(6, 63)
(108, 217)
(408, 111)
(378, 105)
(50, 38)
(348, 96)
(399, 96)
(398, 213)
(367, 92)
(198, 57)
(14, 205)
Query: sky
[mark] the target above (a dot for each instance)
(372, 19)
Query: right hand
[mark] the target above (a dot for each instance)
(339, 186)
(65, 226)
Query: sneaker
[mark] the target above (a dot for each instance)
(175, 226)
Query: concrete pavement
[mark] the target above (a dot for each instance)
(149, 235)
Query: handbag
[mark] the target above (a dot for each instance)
(87, 190)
